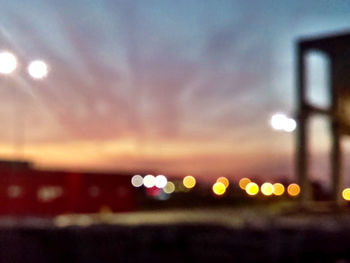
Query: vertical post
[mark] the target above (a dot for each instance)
(336, 163)
(336, 153)
(302, 129)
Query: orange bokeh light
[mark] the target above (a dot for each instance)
(223, 180)
(189, 181)
(278, 189)
(243, 183)
(293, 190)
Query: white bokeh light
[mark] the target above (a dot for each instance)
(278, 121)
(149, 181)
(38, 69)
(281, 122)
(161, 181)
(290, 125)
(137, 180)
(8, 63)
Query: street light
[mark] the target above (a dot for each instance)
(281, 122)
(38, 69)
(8, 62)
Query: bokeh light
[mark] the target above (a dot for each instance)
(160, 181)
(38, 69)
(278, 121)
(153, 191)
(281, 122)
(278, 189)
(346, 194)
(189, 181)
(137, 180)
(243, 183)
(219, 188)
(293, 189)
(267, 189)
(8, 63)
(149, 181)
(223, 180)
(289, 125)
(169, 188)
(252, 188)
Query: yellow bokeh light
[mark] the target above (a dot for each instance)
(293, 189)
(223, 180)
(278, 189)
(219, 188)
(252, 188)
(189, 181)
(169, 188)
(267, 189)
(243, 183)
(346, 194)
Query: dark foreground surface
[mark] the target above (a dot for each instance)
(290, 238)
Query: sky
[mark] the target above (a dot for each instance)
(175, 87)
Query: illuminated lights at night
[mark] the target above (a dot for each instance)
(252, 188)
(278, 189)
(38, 69)
(219, 188)
(243, 183)
(293, 190)
(160, 181)
(153, 191)
(281, 122)
(169, 188)
(189, 181)
(149, 181)
(290, 125)
(223, 180)
(8, 63)
(137, 180)
(278, 120)
(346, 194)
(267, 189)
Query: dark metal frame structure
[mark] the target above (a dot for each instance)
(337, 49)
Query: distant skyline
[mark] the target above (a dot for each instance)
(172, 86)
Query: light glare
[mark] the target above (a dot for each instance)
(38, 69)
(252, 188)
(189, 181)
(278, 121)
(243, 183)
(289, 125)
(149, 181)
(267, 189)
(223, 180)
(160, 181)
(278, 189)
(281, 122)
(8, 63)
(169, 188)
(219, 188)
(293, 190)
(137, 180)
(346, 194)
